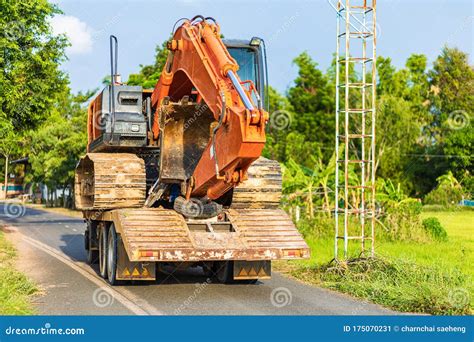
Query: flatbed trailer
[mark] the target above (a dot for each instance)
(239, 244)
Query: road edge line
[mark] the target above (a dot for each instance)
(128, 303)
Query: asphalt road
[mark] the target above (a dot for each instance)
(51, 252)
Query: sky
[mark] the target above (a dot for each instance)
(289, 28)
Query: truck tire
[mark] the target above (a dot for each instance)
(92, 254)
(224, 273)
(103, 252)
(112, 255)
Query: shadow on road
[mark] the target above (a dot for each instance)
(74, 246)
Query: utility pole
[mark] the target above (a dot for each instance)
(355, 125)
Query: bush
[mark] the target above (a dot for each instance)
(448, 192)
(317, 227)
(468, 184)
(402, 220)
(435, 229)
(444, 195)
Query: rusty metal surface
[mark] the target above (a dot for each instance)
(269, 229)
(261, 269)
(127, 270)
(156, 234)
(185, 134)
(262, 189)
(110, 180)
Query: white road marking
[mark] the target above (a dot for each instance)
(123, 295)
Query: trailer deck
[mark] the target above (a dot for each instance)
(157, 234)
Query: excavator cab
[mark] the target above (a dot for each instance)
(251, 57)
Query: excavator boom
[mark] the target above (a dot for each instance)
(199, 62)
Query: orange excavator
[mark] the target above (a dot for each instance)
(174, 176)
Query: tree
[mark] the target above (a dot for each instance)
(9, 145)
(279, 126)
(452, 102)
(312, 98)
(402, 112)
(57, 145)
(150, 74)
(302, 184)
(29, 57)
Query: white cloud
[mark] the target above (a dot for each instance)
(77, 31)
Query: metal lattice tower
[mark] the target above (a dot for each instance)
(355, 124)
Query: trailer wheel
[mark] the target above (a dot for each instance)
(103, 252)
(112, 255)
(92, 254)
(224, 272)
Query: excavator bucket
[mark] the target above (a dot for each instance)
(185, 132)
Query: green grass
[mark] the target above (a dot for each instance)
(428, 277)
(456, 253)
(15, 288)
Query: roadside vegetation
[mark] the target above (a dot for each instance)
(429, 276)
(423, 254)
(15, 289)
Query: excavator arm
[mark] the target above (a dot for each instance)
(198, 62)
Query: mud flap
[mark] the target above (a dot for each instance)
(244, 270)
(127, 270)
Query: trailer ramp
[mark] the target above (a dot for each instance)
(157, 234)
